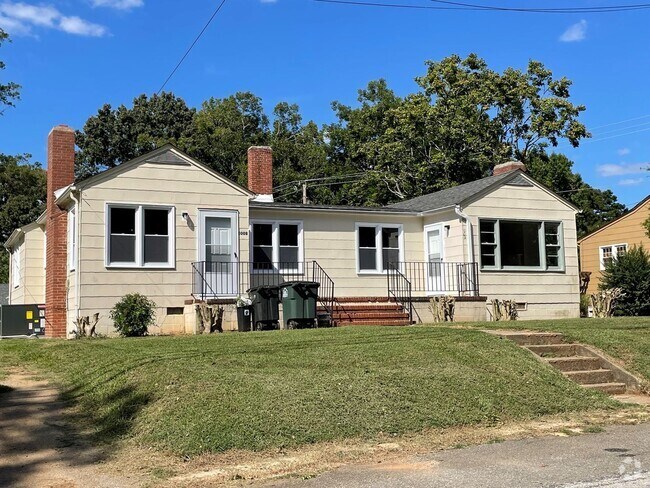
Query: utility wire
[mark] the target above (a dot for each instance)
(484, 8)
(205, 27)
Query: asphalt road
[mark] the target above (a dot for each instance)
(616, 458)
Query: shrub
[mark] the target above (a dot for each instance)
(133, 315)
(584, 305)
(631, 273)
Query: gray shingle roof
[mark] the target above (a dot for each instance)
(451, 196)
(345, 208)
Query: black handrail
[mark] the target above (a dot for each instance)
(227, 279)
(400, 289)
(450, 278)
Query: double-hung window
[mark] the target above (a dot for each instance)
(521, 245)
(72, 238)
(609, 253)
(277, 245)
(378, 245)
(140, 236)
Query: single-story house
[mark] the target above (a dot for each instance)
(613, 240)
(171, 228)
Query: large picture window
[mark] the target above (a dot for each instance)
(140, 236)
(277, 245)
(521, 244)
(377, 246)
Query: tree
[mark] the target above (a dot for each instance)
(22, 198)
(9, 92)
(223, 130)
(112, 137)
(597, 206)
(646, 225)
(631, 273)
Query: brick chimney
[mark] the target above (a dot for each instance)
(60, 173)
(260, 172)
(499, 169)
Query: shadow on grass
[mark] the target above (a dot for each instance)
(38, 429)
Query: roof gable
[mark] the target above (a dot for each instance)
(164, 155)
(468, 192)
(639, 206)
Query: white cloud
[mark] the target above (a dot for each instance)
(624, 151)
(20, 18)
(622, 169)
(575, 32)
(631, 181)
(118, 4)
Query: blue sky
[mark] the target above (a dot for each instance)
(72, 56)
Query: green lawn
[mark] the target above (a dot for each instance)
(273, 389)
(625, 338)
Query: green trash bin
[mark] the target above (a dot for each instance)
(266, 307)
(299, 303)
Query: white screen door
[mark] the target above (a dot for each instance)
(435, 275)
(218, 249)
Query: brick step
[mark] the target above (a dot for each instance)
(363, 307)
(608, 388)
(370, 315)
(593, 377)
(575, 363)
(554, 350)
(395, 322)
(535, 338)
(363, 300)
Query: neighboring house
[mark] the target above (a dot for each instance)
(169, 227)
(4, 293)
(613, 240)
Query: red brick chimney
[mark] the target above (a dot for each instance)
(499, 169)
(260, 172)
(60, 173)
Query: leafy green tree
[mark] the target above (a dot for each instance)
(9, 92)
(114, 136)
(223, 130)
(597, 206)
(22, 198)
(646, 225)
(631, 273)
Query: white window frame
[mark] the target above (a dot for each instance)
(139, 236)
(543, 267)
(275, 241)
(72, 238)
(614, 247)
(379, 256)
(15, 267)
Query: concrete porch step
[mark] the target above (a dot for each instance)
(575, 363)
(533, 338)
(392, 314)
(596, 376)
(365, 307)
(608, 388)
(395, 322)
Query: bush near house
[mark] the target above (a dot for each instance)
(133, 315)
(631, 273)
(269, 390)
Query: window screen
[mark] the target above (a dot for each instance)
(288, 246)
(156, 236)
(262, 246)
(122, 235)
(367, 248)
(390, 246)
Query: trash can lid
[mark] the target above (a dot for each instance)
(287, 284)
(262, 287)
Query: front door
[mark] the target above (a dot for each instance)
(435, 272)
(218, 248)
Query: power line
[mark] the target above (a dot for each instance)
(484, 8)
(205, 27)
(621, 122)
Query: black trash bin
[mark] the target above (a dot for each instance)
(299, 303)
(266, 307)
(244, 316)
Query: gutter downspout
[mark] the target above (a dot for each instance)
(468, 230)
(77, 263)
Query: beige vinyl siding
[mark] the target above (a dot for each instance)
(626, 230)
(548, 294)
(32, 272)
(330, 239)
(453, 242)
(187, 189)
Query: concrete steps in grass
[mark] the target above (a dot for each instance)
(357, 311)
(580, 363)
